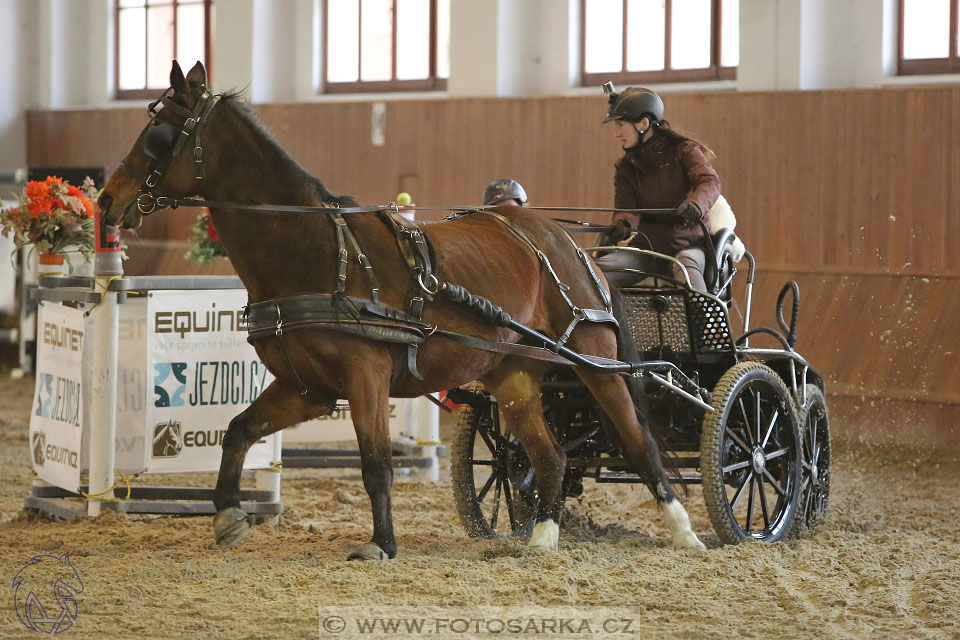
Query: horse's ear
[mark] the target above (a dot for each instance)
(177, 81)
(198, 75)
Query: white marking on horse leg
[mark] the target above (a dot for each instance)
(546, 535)
(679, 525)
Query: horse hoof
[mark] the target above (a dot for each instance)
(688, 540)
(368, 551)
(230, 527)
(546, 535)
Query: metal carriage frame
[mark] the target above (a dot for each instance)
(739, 420)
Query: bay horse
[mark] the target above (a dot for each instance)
(279, 255)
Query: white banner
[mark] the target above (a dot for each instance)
(201, 372)
(57, 416)
(339, 427)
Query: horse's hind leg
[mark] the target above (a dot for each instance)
(636, 441)
(517, 389)
(277, 407)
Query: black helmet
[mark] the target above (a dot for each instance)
(632, 104)
(504, 189)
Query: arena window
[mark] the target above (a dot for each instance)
(651, 41)
(386, 45)
(152, 32)
(928, 37)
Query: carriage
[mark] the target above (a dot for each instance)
(748, 424)
(373, 319)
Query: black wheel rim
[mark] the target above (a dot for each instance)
(503, 477)
(815, 465)
(758, 461)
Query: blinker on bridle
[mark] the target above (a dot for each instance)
(162, 144)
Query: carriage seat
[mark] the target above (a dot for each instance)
(716, 272)
(728, 248)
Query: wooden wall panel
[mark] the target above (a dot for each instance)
(854, 193)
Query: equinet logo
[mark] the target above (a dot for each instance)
(39, 444)
(167, 439)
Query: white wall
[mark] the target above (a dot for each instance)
(59, 53)
(13, 51)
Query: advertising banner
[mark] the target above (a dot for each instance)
(339, 426)
(201, 372)
(56, 418)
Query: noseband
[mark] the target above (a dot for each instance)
(162, 144)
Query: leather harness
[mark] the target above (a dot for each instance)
(367, 318)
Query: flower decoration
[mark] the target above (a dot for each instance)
(53, 216)
(205, 242)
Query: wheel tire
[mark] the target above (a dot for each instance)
(482, 515)
(815, 452)
(736, 454)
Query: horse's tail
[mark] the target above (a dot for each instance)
(627, 352)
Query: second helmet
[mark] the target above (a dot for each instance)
(504, 189)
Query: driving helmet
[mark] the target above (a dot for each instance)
(503, 189)
(633, 103)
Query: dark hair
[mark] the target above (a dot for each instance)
(666, 128)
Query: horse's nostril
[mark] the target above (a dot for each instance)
(105, 201)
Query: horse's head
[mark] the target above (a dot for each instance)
(167, 159)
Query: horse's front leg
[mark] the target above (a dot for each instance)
(368, 392)
(277, 407)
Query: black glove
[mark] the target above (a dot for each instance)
(619, 230)
(689, 211)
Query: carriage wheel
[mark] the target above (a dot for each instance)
(815, 469)
(493, 484)
(750, 456)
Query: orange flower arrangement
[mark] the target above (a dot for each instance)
(53, 216)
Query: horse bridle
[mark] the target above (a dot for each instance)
(162, 144)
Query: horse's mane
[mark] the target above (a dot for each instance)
(236, 101)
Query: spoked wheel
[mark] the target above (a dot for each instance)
(815, 463)
(750, 456)
(493, 483)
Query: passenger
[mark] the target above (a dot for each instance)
(504, 192)
(660, 169)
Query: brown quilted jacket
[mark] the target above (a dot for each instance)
(663, 172)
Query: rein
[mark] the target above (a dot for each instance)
(165, 202)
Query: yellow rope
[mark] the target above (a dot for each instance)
(102, 283)
(98, 497)
(426, 443)
(276, 467)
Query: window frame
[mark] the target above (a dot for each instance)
(713, 72)
(431, 83)
(924, 66)
(148, 92)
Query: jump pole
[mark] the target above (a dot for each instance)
(106, 328)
